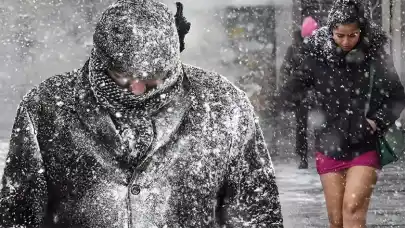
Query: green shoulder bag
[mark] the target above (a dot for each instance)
(392, 142)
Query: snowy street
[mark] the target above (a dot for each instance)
(302, 198)
(303, 204)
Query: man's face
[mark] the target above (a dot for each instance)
(131, 82)
(144, 69)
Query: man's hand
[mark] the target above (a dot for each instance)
(372, 124)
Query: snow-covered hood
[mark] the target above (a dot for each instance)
(321, 44)
(139, 37)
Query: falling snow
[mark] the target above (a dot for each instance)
(164, 163)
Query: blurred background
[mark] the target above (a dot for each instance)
(245, 40)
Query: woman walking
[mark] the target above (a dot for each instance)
(337, 68)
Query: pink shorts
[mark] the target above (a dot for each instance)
(325, 164)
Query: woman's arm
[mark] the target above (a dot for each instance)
(390, 88)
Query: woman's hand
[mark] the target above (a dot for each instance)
(372, 124)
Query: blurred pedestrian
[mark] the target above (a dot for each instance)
(340, 58)
(136, 138)
(292, 60)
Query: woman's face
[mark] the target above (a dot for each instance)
(346, 36)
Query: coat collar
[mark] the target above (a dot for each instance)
(99, 123)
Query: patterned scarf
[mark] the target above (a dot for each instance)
(123, 103)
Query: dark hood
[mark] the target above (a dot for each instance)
(372, 40)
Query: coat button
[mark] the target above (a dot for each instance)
(135, 189)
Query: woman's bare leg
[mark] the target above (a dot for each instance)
(360, 182)
(334, 188)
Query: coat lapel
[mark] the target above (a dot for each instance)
(168, 121)
(96, 120)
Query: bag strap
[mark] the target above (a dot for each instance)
(371, 76)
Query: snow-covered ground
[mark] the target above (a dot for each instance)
(303, 203)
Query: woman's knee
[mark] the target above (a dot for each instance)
(360, 182)
(353, 210)
(350, 207)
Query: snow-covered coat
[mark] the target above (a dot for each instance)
(85, 153)
(206, 163)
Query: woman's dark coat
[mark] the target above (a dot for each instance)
(341, 83)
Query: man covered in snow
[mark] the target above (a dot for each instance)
(136, 138)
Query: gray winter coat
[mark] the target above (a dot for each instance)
(206, 163)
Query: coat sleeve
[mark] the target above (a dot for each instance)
(297, 85)
(392, 92)
(254, 199)
(23, 193)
